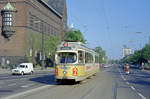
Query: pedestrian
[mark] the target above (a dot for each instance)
(127, 69)
(142, 65)
(10, 66)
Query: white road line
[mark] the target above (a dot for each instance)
(25, 86)
(141, 96)
(127, 83)
(12, 84)
(121, 75)
(14, 96)
(133, 88)
(4, 77)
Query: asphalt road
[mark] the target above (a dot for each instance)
(139, 81)
(109, 83)
(13, 84)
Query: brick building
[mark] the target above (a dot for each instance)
(22, 23)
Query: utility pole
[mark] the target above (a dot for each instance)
(42, 49)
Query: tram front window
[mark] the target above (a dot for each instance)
(67, 57)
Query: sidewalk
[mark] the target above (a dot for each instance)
(4, 71)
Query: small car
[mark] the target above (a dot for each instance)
(23, 68)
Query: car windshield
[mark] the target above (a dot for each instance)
(66, 57)
(21, 66)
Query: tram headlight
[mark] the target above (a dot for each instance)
(64, 72)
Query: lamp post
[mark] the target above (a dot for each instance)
(42, 49)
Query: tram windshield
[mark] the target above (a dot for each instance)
(66, 57)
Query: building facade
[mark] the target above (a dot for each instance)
(126, 51)
(22, 24)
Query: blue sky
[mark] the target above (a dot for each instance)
(111, 23)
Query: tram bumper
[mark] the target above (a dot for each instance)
(74, 78)
(59, 78)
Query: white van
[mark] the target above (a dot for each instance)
(23, 68)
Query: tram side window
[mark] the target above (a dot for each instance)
(81, 56)
(96, 59)
(91, 58)
(88, 58)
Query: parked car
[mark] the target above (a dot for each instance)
(23, 68)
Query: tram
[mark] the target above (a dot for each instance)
(75, 61)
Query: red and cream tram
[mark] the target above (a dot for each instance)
(75, 61)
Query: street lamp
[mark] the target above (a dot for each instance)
(42, 52)
(138, 32)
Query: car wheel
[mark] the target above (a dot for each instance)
(22, 73)
(31, 72)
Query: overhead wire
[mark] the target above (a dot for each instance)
(107, 26)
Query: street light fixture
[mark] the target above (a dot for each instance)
(138, 32)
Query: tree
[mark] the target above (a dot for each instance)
(50, 45)
(75, 36)
(146, 52)
(139, 56)
(101, 53)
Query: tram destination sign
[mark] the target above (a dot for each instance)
(65, 48)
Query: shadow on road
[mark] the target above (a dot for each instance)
(140, 82)
(4, 91)
(46, 79)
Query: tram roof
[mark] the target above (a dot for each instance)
(75, 45)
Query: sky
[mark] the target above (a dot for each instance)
(111, 24)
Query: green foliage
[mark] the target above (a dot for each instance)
(33, 41)
(146, 52)
(75, 36)
(139, 56)
(101, 53)
(50, 44)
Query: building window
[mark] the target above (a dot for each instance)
(31, 21)
(7, 19)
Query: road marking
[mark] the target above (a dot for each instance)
(127, 83)
(121, 75)
(25, 86)
(141, 96)
(27, 92)
(133, 88)
(12, 84)
(4, 77)
(115, 89)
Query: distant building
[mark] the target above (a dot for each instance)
(22, 23)
(126, 51)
